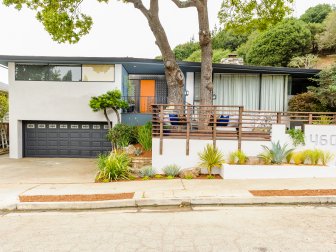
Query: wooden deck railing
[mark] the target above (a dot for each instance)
(225, 122)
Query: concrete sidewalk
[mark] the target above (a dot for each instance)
(165, 192)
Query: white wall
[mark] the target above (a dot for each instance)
(190, 87)
(52, 101)
(174, 150)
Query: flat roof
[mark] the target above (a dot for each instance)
(153, 66)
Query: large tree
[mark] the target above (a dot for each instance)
(327, 39)
(205, 44)
(316, 14)
(245, 16)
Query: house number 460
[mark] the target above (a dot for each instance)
(322, 139)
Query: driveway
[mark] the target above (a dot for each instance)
(46, 170)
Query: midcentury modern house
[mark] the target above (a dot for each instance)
(49, 96)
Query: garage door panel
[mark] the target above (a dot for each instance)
(64, 139)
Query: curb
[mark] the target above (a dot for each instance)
(216, 201)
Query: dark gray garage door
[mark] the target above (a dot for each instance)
(64, 139)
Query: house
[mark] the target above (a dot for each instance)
(49, 96)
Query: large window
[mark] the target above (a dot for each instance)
(98, 72)
(63, 72)
(47, 72)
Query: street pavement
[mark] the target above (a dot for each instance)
(263, 229)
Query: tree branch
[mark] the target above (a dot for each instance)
(154, 7)
(140, 6)
(186, 4)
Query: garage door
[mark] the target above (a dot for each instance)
(64, 139)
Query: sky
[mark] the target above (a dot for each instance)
(119, 30)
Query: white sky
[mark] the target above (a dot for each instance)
(119, 30)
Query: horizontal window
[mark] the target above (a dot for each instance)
(98, 72)
(48, 72)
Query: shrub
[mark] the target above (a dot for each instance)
(120, 135)
(326, 157)
(324, 120)
(305, 102)
(147, 172)
(276, 154)
(297, 136)
(113, 167)
(145, 136)
(313, 156)
(171, 170)
(298, 158)
(238, 157)
(211, 157)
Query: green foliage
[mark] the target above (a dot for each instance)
(3, 106)
(238, 157)
(112, 99)
(297, 136)
(120, 135)
(183, 51)
(327, 39)
(326, 157)
(217, 55)
(188, 176)
(276, 154)
(307, 61)
(248, 15)
(325, 92)
(63, 20)
(243, 49)
(227, 39)
(113, 167)
(324, 120)
(211, 157)
(316, 14)
(172, 170)
(279, 44)
(145, 136)
(313, 156)
(147, 172)
(298, 157)
(306, 102)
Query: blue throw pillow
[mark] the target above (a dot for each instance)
(223, 120)
(173, 119)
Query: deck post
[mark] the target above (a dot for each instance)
(310, 118)
(278, 117)
(188, 130)
(240, 122)
(161, 129)
(214, 127)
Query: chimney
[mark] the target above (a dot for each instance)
(233, 59)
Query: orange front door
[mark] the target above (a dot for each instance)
(147, 95)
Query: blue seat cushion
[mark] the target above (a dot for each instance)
(173, 119)
(223, 120)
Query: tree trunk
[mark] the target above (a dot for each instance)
(174, 75)
(117, 114)
(206, 48)
(107, 119)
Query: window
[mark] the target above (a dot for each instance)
(97, 72)
(37, 72)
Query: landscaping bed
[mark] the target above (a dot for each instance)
(76, 197)
(317, 192)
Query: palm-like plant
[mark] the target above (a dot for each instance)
(211, 157)
(276, 154)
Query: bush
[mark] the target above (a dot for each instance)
(171, 170)
(305, 102)
(279, 44)
(145, 136)
(147, 172)
(276, 154)
(313, 156)
(326, 157)
(120, 135)
(297, 136)
(238, 157)
(211, 157)
(113, 167)
(298, 158)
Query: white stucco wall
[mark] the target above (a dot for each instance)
(190, 87)
(52, 101)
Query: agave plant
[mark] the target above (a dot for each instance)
(171, 170)
(211, 157)
(276, 154)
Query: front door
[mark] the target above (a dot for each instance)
(147, 95)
